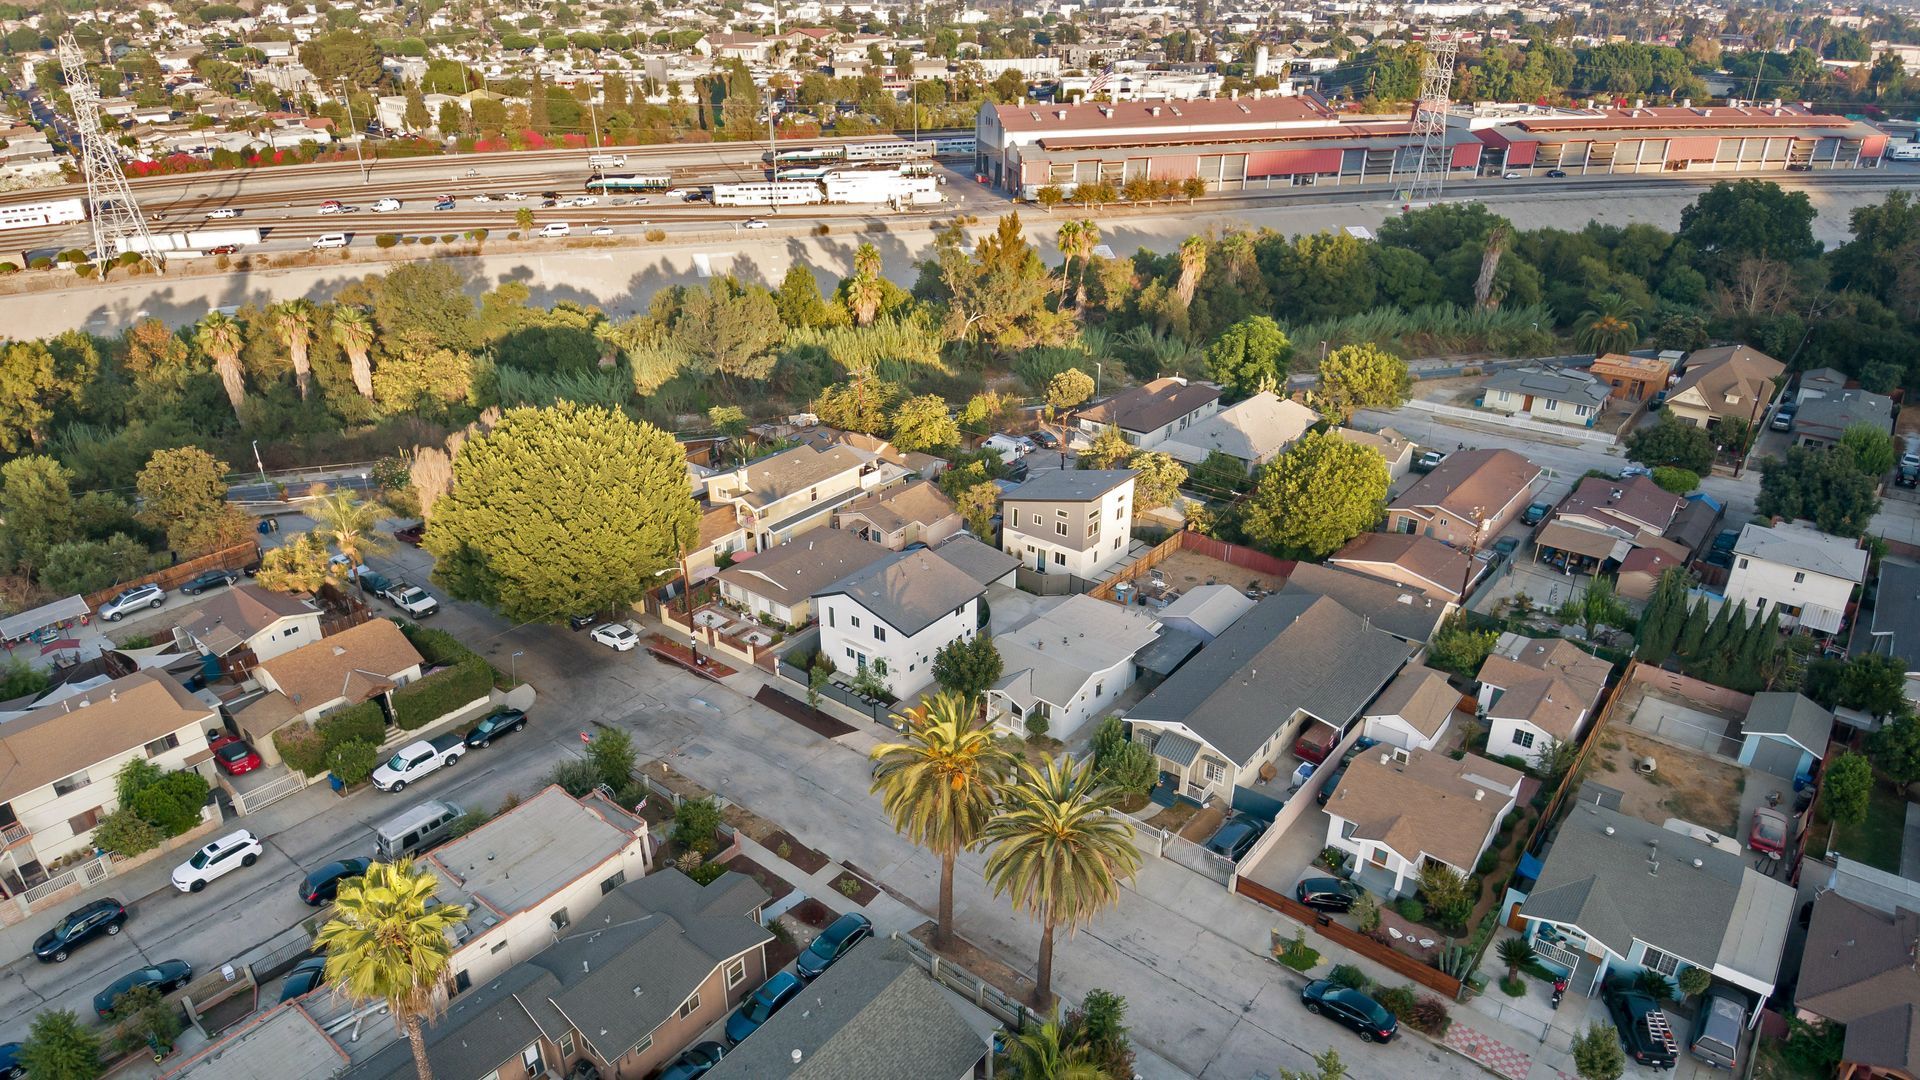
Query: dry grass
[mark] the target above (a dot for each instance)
(1185, 569)
(1688, 786)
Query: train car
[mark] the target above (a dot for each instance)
(201, 240)
(803, 155)
(954, 146)
(779, 193)
(881, 188)
(39, 214)
(603, 185)
(889, 150)
(801, 172)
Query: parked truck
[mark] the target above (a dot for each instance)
(411, 599)
(419, 759)
(1643, 1026)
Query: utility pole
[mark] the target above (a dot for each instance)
(346, 99)
(111, 206)
(1430, 121)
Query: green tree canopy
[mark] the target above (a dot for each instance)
(1159, 481)
(1069, 388)
(968, 666)
(923, 423)
(1749, 219)
(1821, 486)
(1321, 493)
(1250, 355)
(1849, 782)
(183, 493)
(1361, 377)
(1672, 442)
(1872, 448)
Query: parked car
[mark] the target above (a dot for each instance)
(833, 943)
(1557, 174)
(1047, 440)
(1350, 1007)
(495, 724)
(81, 925)
(577, 623)
(1235, 837)
(323, 883)
(1315, 743)
(1717, 1027)
(411, 599)
(212, 579)
(754, 223)
(1643, 1026)
(165, 976)
(233, 755)
(1783, 417)
(217, 858)
(762, 1004)
(10, 1067)
(304, 979)
(140, 596)
(696, 1062)
(1909, 471)
(1769, 831)
(1536, 512)
(1506, 546)
(416, 760)
(1428, 461)
(1333, 781)
(1327, 894)
(412, 535)
(616, 636)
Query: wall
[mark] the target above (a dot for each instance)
(1096, 535)
(1482, 416)
(716, 1001)
(529, 931)
(47, 814)
(1753, 579)
(909, 660)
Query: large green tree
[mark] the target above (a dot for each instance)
(1738, 219)
(1822, 486)
(183, 493)
(1672, 442)
(562, 510)
(36, 509)
(60, 1047)
(1249, 356)
(29, 388)
(729, 329)
(1872, 449)
(1361, 377)
(1321, 493)
(923, 423)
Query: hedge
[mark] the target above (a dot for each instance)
(386, 240)
(302, 748)
(353, 761)
(437, 647)
(364, 722)
(425, 700)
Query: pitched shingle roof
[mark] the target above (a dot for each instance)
(59, 739)
(789, 573)
(1400, 610)
(1472, 485)
(772, 479)
(896, 508)
(224, 621)
(1549, 684)
(1419, 695)
(1425, 803)
(1791, 716)
(1151, 407)
(1447, 569)
(1858, 969)
(1253, 430)
(355, 663)
(1070, 485)
(1735, 371)
(908, 590)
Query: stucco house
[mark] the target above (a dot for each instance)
(246, 616)
(780, 581)
(1252, 432)
(1066, 664)
(1562, 395)
(1420, 562)
(1149, 414)
(1069, 521)
(918, 513)
(795, 491)
(1731, 381)
(1806, 575)
(1396, 811)
(1414, 711)
(892, 616)
(1467, 499)
(1537, 692)
(352, 666)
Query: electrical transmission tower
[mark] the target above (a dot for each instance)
(1430, 121)
(110, 204)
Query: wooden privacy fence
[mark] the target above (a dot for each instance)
(1187, 540)
(1385, 955)
(227, 558)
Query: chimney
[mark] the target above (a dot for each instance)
(1776, 103)
(1639, 103)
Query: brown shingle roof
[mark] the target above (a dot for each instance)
(789, 573)
(225, 621)
(1419, 695)
(355, 664)
(1448, 569)
(1736, 371)
(1548, 685)
(1424, 804)
(61, 739)
(797, 469)
(1858, 969)
(1472, 485)
(1628, 505)
(1153, 406)
(894, 509)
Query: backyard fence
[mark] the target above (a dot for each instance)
(982, 993)
(227, 558)
(1385, 955)
(1187, 540)
(259, 798)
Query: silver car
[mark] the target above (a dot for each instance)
(140, 596)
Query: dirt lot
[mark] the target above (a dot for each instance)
(1186, 569)
(1683, 785)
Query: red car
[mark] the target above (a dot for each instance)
(412, 534)
(224, 249)
(1769, 832)
(1316, 742)
(233, 755)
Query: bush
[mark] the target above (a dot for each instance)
(515, 235)
(1488, 863)
(656, 235)
(467, 822)
(71, 255)
(173, 803)
(124, 832)
(85, 270)
(695, 824)
(423, 701)
(8, 268)
(353, 761)
(478, 234)
(1410, 909)
(611, 751)
(409, 239)
(1676, 480)
(822, 229)
(143, 1017)
(1429, 1016)
(576, 778)
(1398, 1000)
(302, 748)
(60, 1046)
(39, 262)
(423, 240)
(1349, 976)
(355, 723)
(448, 238)
(436, 646)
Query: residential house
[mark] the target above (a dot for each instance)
(794, 491)
(1069, 521)
(1732, 381)
(919, 513)
(1857, 971)
(893, 615)
(780, 581)
(565, 855)
(1467, 499)
(1632, 378)
(1410, 614)
(909, 462)
(1805, 574)
(246, 616)
(1394, 448)
(352, 666)
(1640, 572)
(1414, 712)
(1785, 734)
(1067, 664)
(1618, 896)
(985, 564)
(1895, 630)
(1606, 519)
(58, 761)
(1819, 383)
(1398, 811)
(1252, 432)
(283, 1041)
(1535, 692)
(1418, 562)
(660, 961)
(1205, 611)
(1562, 395)
(1822, 420)
(720, 535)
(1225, 721)
(874, 1013)
(1147, 415)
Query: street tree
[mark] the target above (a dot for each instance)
(1822, 486)
(1672, 442)
(388, 941)
(183, 493)
(1321, 493)
(1597, 1054)
(59, 1047)
(1326, 1066)
(348, 522)
(562, 510)
(300, 565)
(1250, 356)
(923, 424)
(1069, 388)
(1360, 376)
(968, 666)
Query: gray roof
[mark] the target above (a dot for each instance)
(1168, 651)
(1294, 652)
(283, 1041)
(908, 590)
(1803, 547)
(1835, 413)
(1070, 485)
(554, 841)
(479, 1032)
(1175, 747)
(1575, 387)
(1896, 613)
(1053, 654)
(981, 562)
(873, 1016)
(789, 573)
(1401, 610)
(1790, 716)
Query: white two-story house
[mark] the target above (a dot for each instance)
(892, 616)
(246, 616)
(1807, 575)
(1069, 521)
(782, 496)
(1536, 692)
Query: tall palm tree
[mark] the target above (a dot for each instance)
(1058, 852)
(1609, 327)
(353, 331)
(938, 787)
(347, 521)
(1077, 239)
(1490, 252)
(385, 942)
(220, 338)
(293, 322)
(1193, 263)
(864, 291)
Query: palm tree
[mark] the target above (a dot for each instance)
(386, 942)
(523, 219)
(864, 291)
(1496, 245)
(220, 338)
(1193, 263)
(1516, 953)
(1038, 1054)
(1059, 853)
(347, 521)
(353, 331)
(1611, 326)
(938, 787)
(293, 322)
(1076, 240)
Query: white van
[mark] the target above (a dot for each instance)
(386, 206)
(555, 228)
(1905, 152)
(330, 240)
(606, 161)
(414, 830)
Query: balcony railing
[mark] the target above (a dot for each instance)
(14, 833)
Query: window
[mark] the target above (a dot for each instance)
(688, 1006)
(855, 620)
(1059, 558)
(1743, 564)
(498, 948)
(1093, 516)
(1060, 513)
(68, 784)
(813, 494)
(1116, 543)
(1214, 771)
(736, 973)
(645, 1041)
(162, 744)
(1799, 578)
(560, 919)
(830, 617)
(462, 982)
(618, 879)
(1060, 527)
(566, 1044)
(1098, 688)
(1347, 829)
(1655, 960)
(530, 1059)
(1523, 739)
(80, 823)
(290, 631)
(879, 633)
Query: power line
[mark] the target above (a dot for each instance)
(114, 214)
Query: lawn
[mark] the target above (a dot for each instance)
(1875, 841)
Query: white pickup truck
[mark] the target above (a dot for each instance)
(417, 759)
(411, 599)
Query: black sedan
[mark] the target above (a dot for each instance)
(80, 926)
(1351, 1007)
(321, 885)
(833, 943)
(495, 724)
(1557, 174)
(165, 976)
(696, 1062)
(1326, 894)
(304, 979)
(212, 579)
(1235, 838)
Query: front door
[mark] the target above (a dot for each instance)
(530, 1057)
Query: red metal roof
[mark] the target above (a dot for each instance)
(1167, 114)
(1718, 116)
(1329, 133)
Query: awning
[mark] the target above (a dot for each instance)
(1175, 748)
(1562, 536)
(15, 627)
(1825, 620)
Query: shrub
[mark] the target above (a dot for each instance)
(409, 239)
(576, 778)
(436, 646)
(302, 748)
(1513, 987)
(656, 235)
(425, 700)
(124, 832)
(362, 723)
(423, 239)
(478, 234)
(1349, 976)
(1676, 480)
(173, 803)
(448, 238)
(1489, 862)
(39, 262)
(71, 255)
(143, 1017)
(467, 822)
(8, 268)
(353, 761)
(85, 270)
(1429, 1016)
(1410, 909)
(1297, 954)
(694, 825)
(822, 229)
(611, 751)
(515, 235)
(60, 1046)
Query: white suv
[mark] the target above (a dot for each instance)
(233, 850)
(140, 596)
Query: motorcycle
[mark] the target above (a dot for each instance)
(1559, 991)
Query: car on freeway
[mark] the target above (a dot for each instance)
(1514, 176)
(483, 197)
(1536, 512)
(332, 206)
(1557, 174)
(1327, 894)
(583, 200)
(616, 636)
(1428, 461)
(224, 249)
(304, 979)
(212, 579)
(833, 943)
(761, 1005)
(1799, 166)
(140, 596)
(322, 883)
(165, 976)
(327, 241)
(386, 206)
(1768, 833)
(495, 724)
(754, 223)
(223, 213)
(234, 756)
(696, 1062)
(216, 859)
(1235, 837)
(514, 195)
(603, 230)
(1350, 1007)
(81, 925)
(555, 228)
(445, 202)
